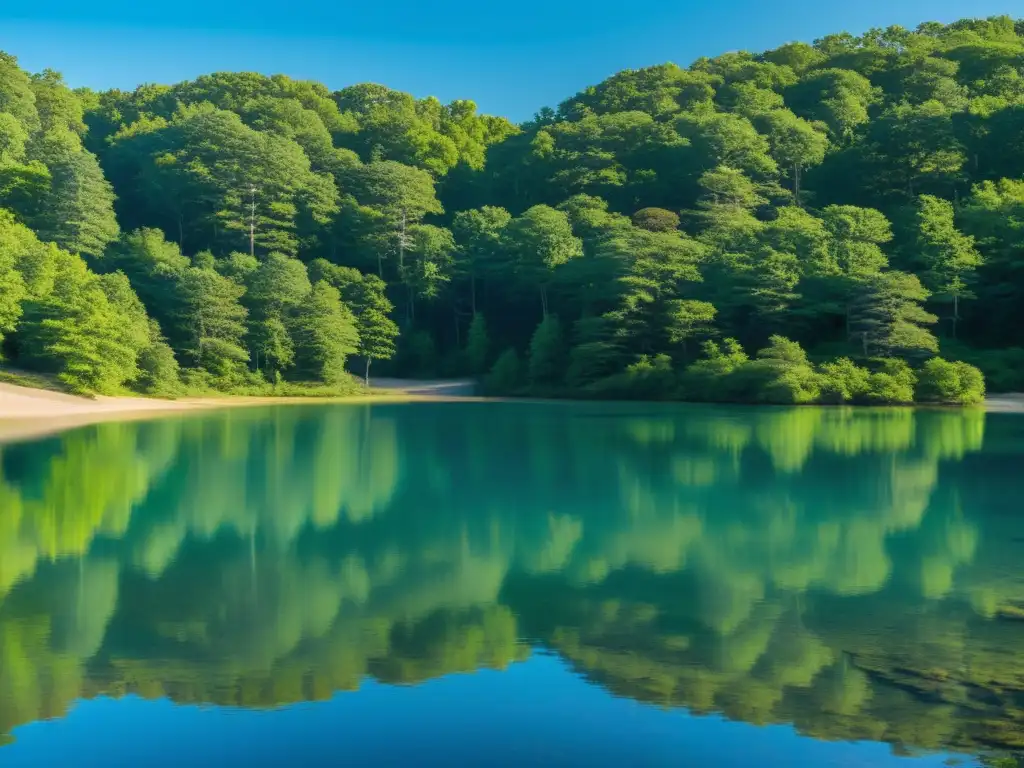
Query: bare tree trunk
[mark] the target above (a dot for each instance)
(367, 377)
(544, 300)
(401, 244)
(956, 313)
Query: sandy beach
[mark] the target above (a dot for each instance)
(26, 412)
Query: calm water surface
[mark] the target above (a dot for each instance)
(515, 584)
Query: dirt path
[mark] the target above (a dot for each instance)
(438, 387)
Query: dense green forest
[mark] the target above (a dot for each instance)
(834, 222)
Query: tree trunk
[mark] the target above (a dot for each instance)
(380, 265)
(956, 313)
(367, 377)
(472, 293)
(401, 245)
(544, 300)
(796, 185)
(458, 330)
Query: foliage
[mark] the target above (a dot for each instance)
(941, 381)
(859, 196)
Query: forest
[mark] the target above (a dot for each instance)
(836, 222)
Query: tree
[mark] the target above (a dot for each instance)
(656, 220)
(547, 352)
(478, 236)
(888, 319)
(210, 323)
(477, 345)
(89, 340)
(390, 198)
(77, 211)
(689, 319)
(325, 335)
(948, 257)
(793, 143)
(365, 296)
(540, 241)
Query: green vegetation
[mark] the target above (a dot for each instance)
(860, 197)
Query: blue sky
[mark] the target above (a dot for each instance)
(511, 58)
(538, 713)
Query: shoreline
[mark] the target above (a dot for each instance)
(27, 413)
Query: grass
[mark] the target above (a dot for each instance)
(33, 380)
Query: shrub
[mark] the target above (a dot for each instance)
(646, 379)
(709, 379)
(843, 381)
(942, 381)
(892, 384)
(780, 375)
(506, 375)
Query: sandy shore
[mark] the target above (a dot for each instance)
(26, 412)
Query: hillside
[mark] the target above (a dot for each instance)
(853, 209)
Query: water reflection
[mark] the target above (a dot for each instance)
(856, 573)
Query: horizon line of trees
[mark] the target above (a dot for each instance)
(860, 197)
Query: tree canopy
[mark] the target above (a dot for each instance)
(859, 196)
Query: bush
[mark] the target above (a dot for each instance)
(843, 381)
(506, 376)
(892, 384)
(646, 379)
(709, 379)
(781, 375)
(942, 381)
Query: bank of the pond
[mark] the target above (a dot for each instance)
(28, 412)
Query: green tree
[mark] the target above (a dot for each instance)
(325, 335)
(948, 257)
(478, 235)
(478, 345)
(887, 317)
(540, 241)
(547, 352)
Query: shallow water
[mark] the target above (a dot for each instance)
(514, 583)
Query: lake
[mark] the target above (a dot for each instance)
(486, 583)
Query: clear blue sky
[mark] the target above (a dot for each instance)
(511, 58)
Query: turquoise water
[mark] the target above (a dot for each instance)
(514, 583)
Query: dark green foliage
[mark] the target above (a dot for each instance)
(858, 198)
(547, 352)
(506, 376)
(159, 372)
(477, 345)
(325, 335)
